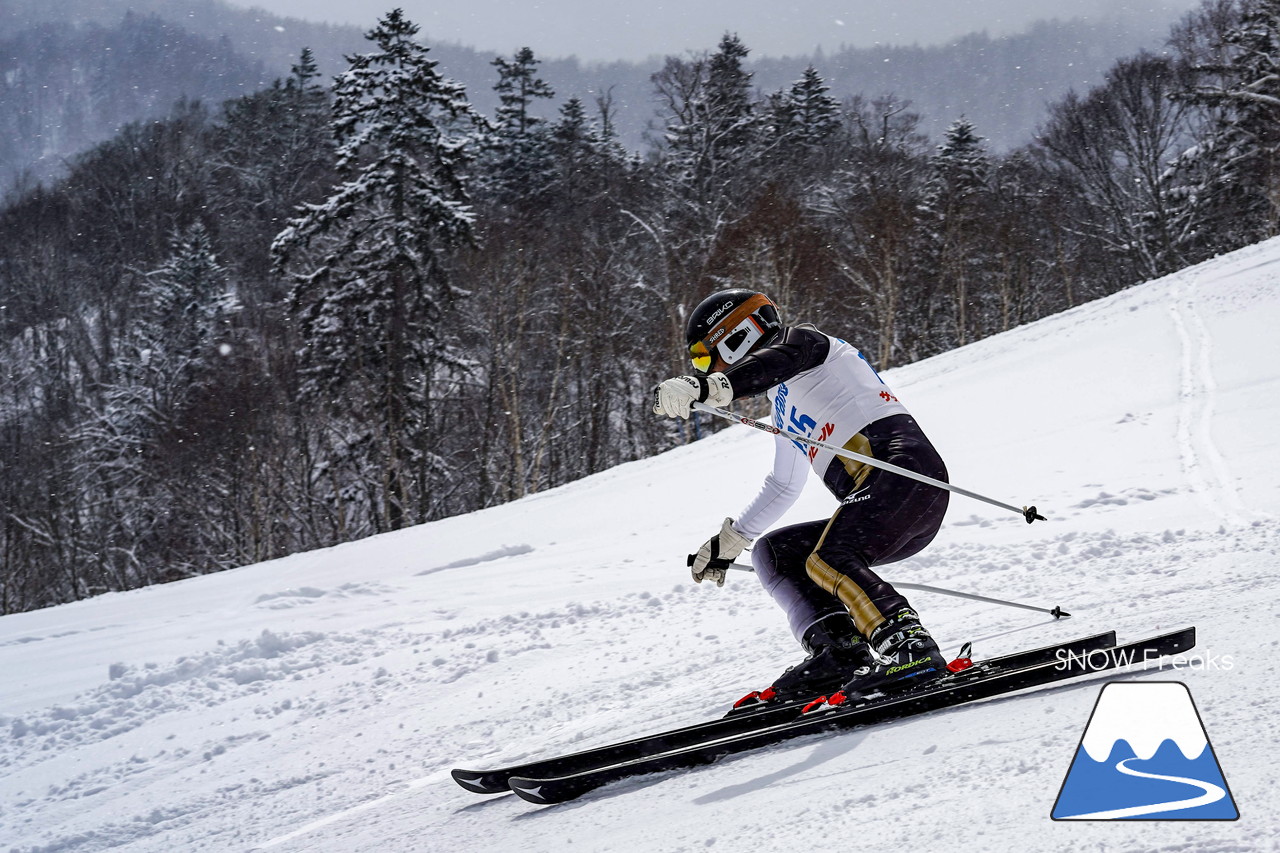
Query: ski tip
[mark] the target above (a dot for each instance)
(529, 789)
(478, 782)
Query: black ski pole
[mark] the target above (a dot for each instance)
(1027, 512)
(1055, 612)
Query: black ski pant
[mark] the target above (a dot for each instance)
(819, 568)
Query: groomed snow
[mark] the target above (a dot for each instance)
(318, 702)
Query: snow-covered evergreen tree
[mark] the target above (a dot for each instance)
(960, 166)
(186, 300)
(712, 122)
(573, 131)
(1231, 178)
(577, 151)
(517, 87)
(730, 107)
(141, 420)
(517, 161)
(302, 76)
(870, 210)
(272, 149)
(713, 144)
(370, 263)
(805, 114)
(954, 207)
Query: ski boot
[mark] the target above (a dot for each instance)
(906, 657)
(837, 653)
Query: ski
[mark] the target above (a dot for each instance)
(497, 781)
(567, 786)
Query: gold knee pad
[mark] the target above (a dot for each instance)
(865, 614)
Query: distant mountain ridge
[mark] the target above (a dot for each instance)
(65, 87)
(1002, 85)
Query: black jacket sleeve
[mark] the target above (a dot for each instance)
(796, 349)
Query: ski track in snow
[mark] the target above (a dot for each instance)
(467, 562)
(317, 703)
(1202, 463)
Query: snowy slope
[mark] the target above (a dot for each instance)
(317, 702)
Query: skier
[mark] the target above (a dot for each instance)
(859, 633)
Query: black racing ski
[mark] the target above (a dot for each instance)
(567, 786)
(496, 781)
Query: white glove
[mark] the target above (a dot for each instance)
(675, 397)
(714, 557)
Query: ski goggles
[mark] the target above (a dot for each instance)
(700, 357)
(729, 344)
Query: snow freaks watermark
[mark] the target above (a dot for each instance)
(1145, 755)
(1100, 659)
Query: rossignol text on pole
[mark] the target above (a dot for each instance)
(1027, 512)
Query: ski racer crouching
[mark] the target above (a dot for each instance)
(860, 634)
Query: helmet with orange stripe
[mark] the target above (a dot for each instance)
(728, 325)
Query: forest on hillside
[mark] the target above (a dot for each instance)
(72, 73)
(317, 312)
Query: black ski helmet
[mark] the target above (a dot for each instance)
(727, 325)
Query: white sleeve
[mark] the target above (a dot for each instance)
(779, 491)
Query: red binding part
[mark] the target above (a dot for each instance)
(959, 664)
(814, 705)
(754, 694)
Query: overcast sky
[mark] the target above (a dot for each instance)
(603, 30)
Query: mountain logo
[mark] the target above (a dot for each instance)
(1145, 755)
